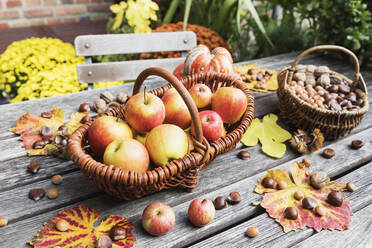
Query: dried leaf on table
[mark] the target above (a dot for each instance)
(29, 127)
(276, 201)
(270, 135)
(81, 230)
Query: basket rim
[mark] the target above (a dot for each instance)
(358, 112)
(244, 122)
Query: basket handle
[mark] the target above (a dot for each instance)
(331, 47)
(156, 71)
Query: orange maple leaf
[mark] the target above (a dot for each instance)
(276, 201)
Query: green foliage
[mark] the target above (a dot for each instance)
(339, 22)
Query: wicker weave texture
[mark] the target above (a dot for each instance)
(301, 115)
(183, 172)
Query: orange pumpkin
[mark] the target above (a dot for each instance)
(200, 59)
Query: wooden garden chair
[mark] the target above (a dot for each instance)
(91, 45)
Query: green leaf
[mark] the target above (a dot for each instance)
(171, 10)
(223, 13)
(257, 19)
(187, 13)
(238, 13)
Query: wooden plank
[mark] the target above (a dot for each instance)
(70, 102)
(183, 233)
(271, 233)
(90, 45)
(14, 173)
(124, 70)
(359, 234)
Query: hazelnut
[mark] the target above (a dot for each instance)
(298, 195)
(252, 232)
(117, 233)
(281, 185)
(3, 221)
(320, 211)
(33, 167)
(57, 179)
(306, 162)
(62, 225)
(350, 187)
(53, 193)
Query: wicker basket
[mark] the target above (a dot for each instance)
(300, 114)
(183, 172)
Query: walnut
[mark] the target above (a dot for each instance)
(99, 105)
(310, 79)
(304, 143)
(335, 79)
(122, 98)
(324, 80)
(300, 68)
(107, 96)
(310, 68)
(321, 70)
(299, 76)
(319, 179)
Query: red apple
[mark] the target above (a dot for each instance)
(230, 103)
(104, 130)
(176, 111)
(166, 143)
(201, 94)
(212, 125)
(144, 111)
(158, 218)
(201, 212)
(128, 155)
(178, 71)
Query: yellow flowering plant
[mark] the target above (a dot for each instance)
(39, 67)
(138, 14)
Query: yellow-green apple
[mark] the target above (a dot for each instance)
(128, 154)
(201, 212)
(230, 103)
(176, 111)
(141, 137)
(144, 111)
(212, 125)
(158, 218)
(201, 94)
(166, 143)
(104, 130)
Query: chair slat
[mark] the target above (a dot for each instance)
(125, 70)
(90, 45)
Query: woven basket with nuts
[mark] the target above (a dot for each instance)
(315, 97)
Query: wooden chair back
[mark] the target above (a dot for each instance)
(91, 45)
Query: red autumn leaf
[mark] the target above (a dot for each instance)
(276, 201)
(29, 126)
(81, 231)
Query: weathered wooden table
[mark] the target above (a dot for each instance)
(226, 174)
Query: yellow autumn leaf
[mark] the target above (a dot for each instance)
(270, 135)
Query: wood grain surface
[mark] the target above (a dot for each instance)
(224, 175)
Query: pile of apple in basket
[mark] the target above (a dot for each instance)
(160, 128)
